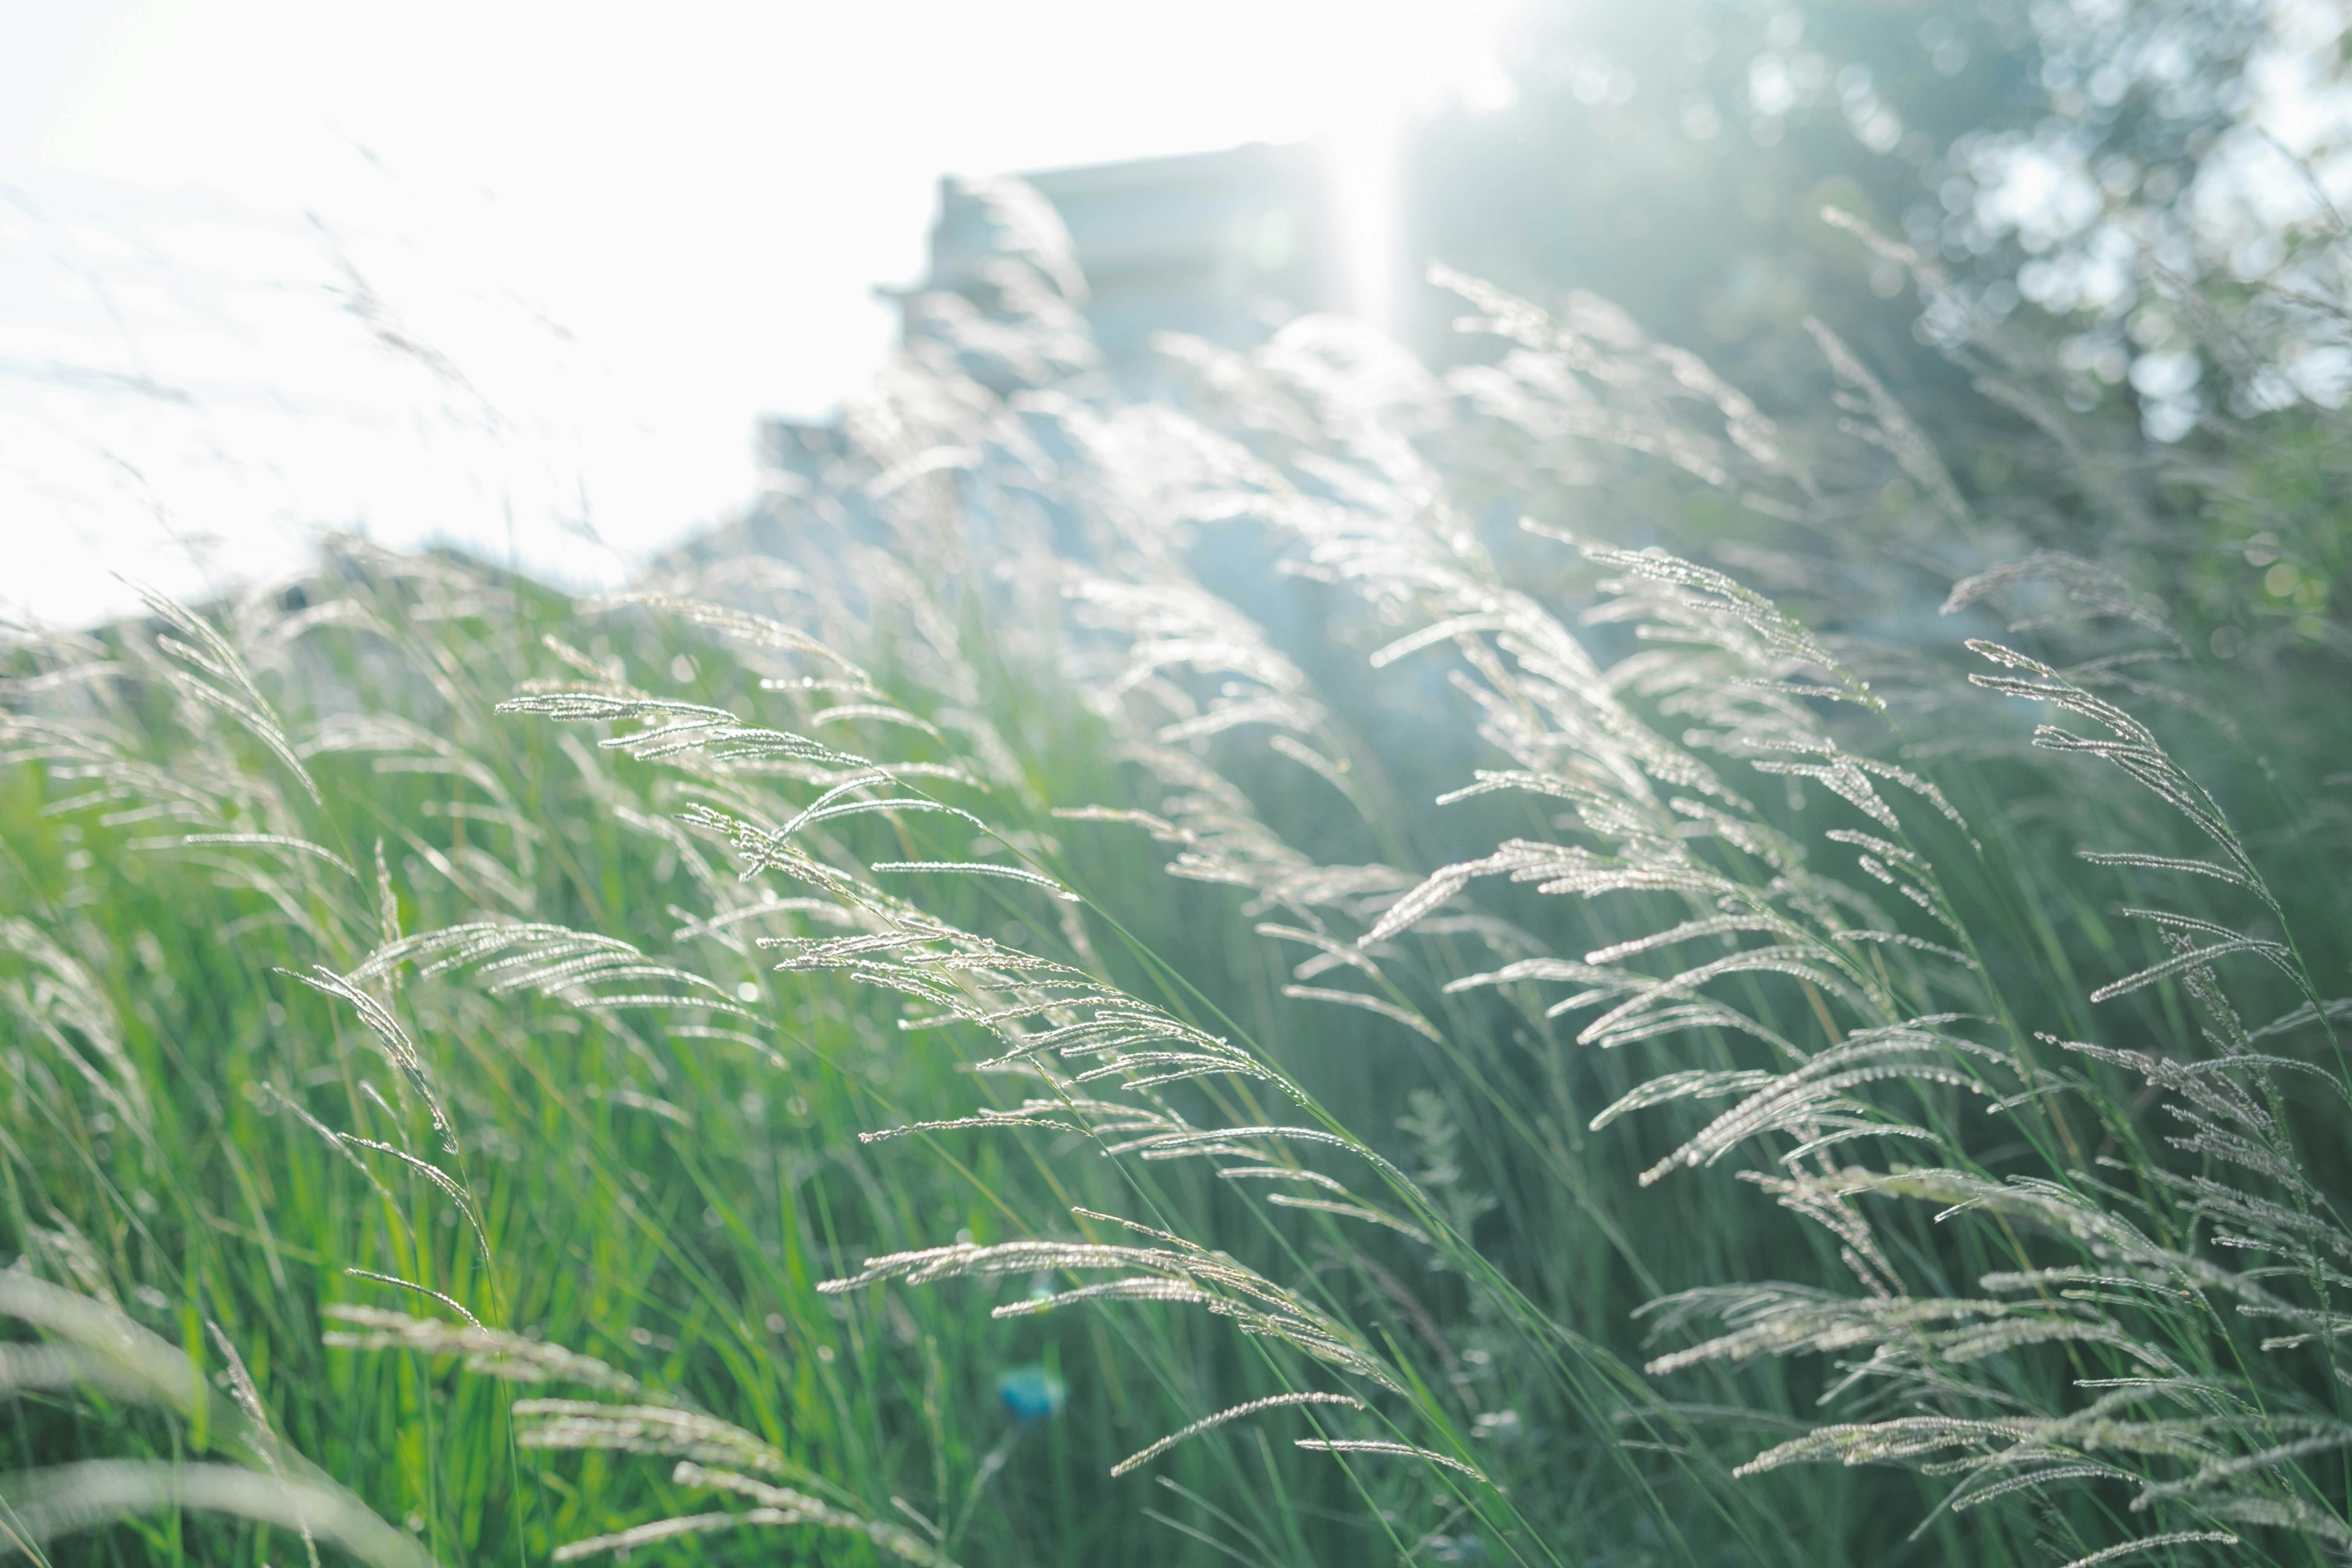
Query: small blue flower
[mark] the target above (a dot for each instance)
(1030, 1391)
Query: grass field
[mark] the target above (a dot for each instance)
(1512, 1044)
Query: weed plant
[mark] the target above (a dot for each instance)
(1547, 964)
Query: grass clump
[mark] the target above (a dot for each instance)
(1350, 965)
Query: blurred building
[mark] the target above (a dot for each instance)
(1224, 246)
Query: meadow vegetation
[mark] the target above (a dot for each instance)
(1554, 962)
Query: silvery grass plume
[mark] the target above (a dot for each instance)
(89, 1344)
(1102, 1059)
(712, 1454)
(2197, 1445)
(1700, 893)
(1747, 672)
(367, 962)
(1667, 822)
(261, 841)
(224, 807)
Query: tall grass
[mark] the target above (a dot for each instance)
(1354, 965)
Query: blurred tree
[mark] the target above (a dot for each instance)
(1673, 156)
(2127, 206)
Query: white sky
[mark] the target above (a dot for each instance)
(613, 234)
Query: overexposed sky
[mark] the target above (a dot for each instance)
(485, 271)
